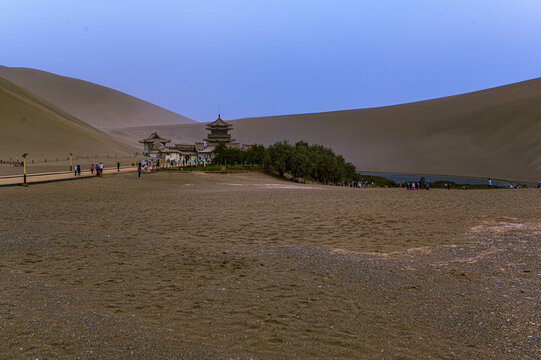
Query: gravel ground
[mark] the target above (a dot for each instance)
(246, 266)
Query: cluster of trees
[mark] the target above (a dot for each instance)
(255, 155)
(301, 160)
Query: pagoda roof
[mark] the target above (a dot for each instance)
(185, 147)
(207, 150)
(154, 137)
(215, 140)
(219, 123)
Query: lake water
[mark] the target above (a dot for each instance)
(401, 178)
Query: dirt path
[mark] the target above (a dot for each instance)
(12, 180)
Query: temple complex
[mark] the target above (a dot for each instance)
(156, 146)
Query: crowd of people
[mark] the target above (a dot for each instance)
(142, 166)
(421, 185)
(359, 184)
(145, 166)
(98, 168)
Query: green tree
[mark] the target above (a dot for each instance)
(301, 160)
(220, 154)
(300, 164)
(256, 155)
(225, 155)
(351, 172)
(234, 156)
(280, 156)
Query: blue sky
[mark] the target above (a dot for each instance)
(256, 58)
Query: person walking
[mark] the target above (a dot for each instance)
(118, 167)
(489, 183)
(92, 169)
(101, 168)
(139, 170)
(79, 170)
(75, 170)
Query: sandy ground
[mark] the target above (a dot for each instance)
(247, 266)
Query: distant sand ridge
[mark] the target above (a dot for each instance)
(99, 106)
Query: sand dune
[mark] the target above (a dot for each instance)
(31, 124)
(97, 105)
(489, 133)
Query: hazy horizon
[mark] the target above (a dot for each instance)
(274, 58)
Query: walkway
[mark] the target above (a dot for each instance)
(13, 180)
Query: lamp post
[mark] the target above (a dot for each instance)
(71, 162)
(24, 165)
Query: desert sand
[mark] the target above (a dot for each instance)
(97, 105)
(32, 125)
(490, 133)
(203, 266)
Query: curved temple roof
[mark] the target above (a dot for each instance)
(154, 137)
(219, 123)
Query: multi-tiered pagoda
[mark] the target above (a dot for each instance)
(218, 132)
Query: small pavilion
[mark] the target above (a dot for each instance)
(156, 147)
(154, 142)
